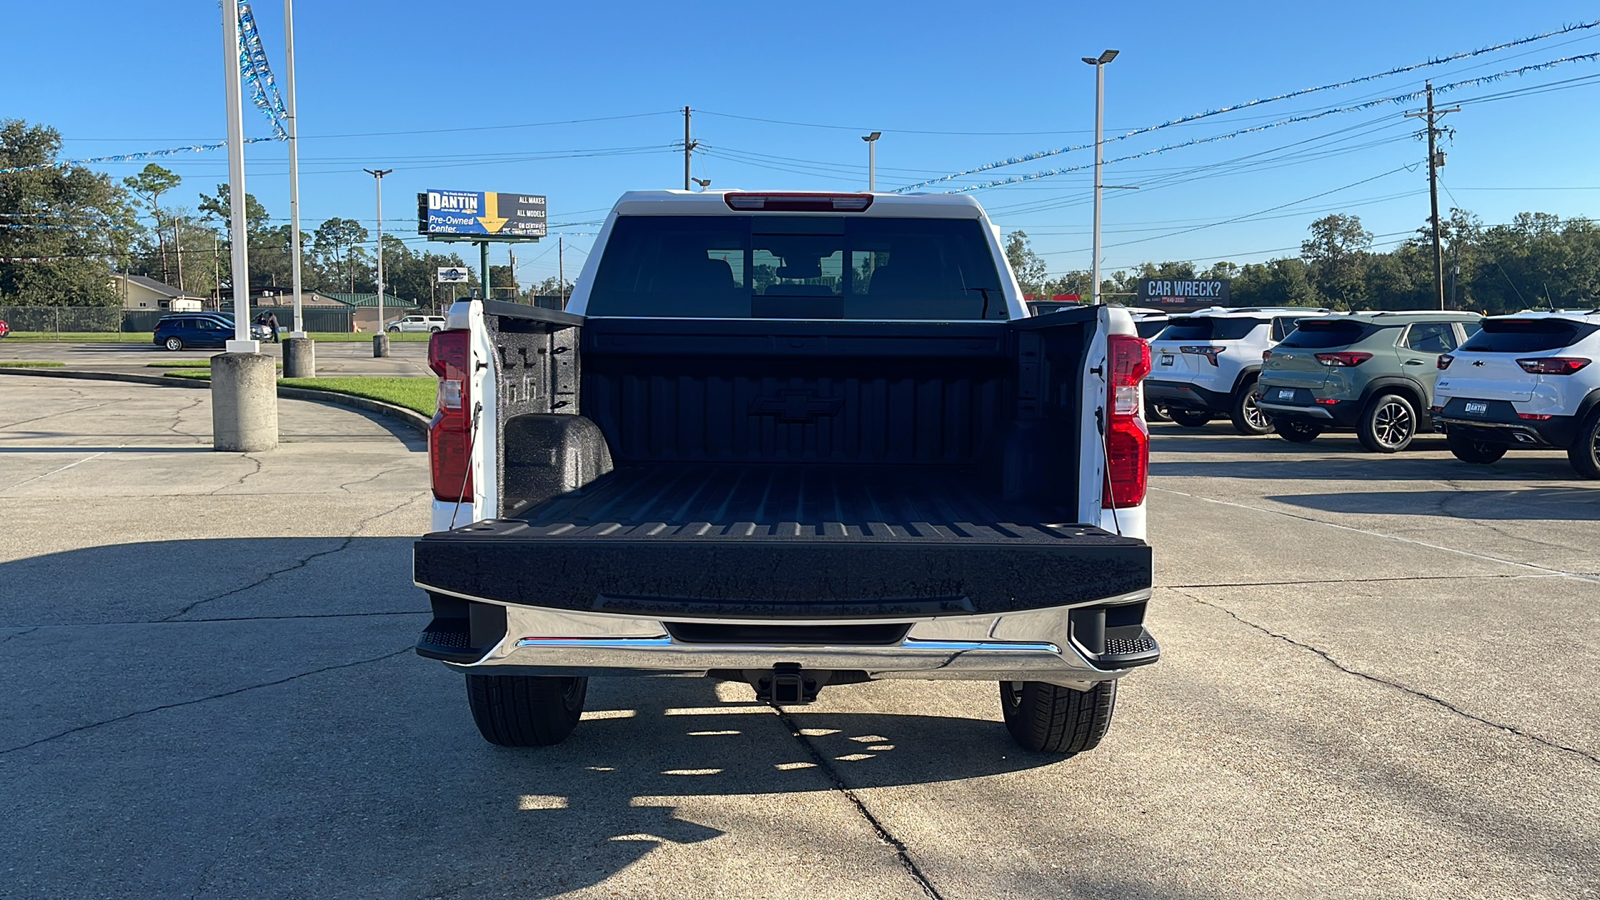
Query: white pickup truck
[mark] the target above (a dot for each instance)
(417, 323)
(792, 440)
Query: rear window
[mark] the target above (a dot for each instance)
(1314, 335)
(1527, 335)
(794, 267)
(1149, 328)
(1206, 328)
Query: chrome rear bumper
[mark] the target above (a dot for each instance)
(1036, 645)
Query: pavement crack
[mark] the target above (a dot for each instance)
(241, 479)
(60, 412)
(206, 699)
(823, 763)
(20, 633)
(1421, 695)
(177, 418)
(301, 563)
(1222, 584)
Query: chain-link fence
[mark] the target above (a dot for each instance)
(134, 325)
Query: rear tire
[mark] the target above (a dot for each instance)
(174, 344)
(1248, 418)
(1189, 418)
(1046, 718)
(1474, 451)
(1296, 432)
(1585, 450)
(525, 711)
(1387, 424)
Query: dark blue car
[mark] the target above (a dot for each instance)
(177, 332)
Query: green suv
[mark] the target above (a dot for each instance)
(1370, 371)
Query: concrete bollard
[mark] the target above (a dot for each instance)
(299, 358)
(244, 402)
(380, 345)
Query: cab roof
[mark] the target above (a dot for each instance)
(718, 203)
(1574, 315)
(1252, 312)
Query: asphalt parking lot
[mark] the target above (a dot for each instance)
(1381, 678)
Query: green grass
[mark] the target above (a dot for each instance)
(30, 364)
(78, 337)
(417, 394)
(144, 337)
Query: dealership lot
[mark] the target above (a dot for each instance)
(1381, 677)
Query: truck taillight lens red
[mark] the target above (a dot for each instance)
(1206, 350)
(1127, 439)
(450, 435)
(1553, 365)
(1343, 360)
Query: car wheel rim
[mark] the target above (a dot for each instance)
(1253, 416)
(1392, 424)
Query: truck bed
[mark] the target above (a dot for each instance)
(801, 541)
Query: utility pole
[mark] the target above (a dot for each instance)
(511, 253)
(293, 125)
(177, 243)
(688, 148)
(1435, 160)
(216, 269)
(561, 270)
(380, 340)
(1099, 64)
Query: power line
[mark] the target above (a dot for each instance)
(1401, 98)
(1364, 105)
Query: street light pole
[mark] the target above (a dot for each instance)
(242, 342)
(380, 341)
(872, 160)
(1099, 64)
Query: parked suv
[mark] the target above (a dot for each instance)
(1526, 380)
(1205, 363)
(176, 332)
(1372, 372)
(417, 323)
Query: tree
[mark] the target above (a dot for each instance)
(1276, 282)
(334, 242)
(68, 221)
(1029, 268)
(148, 186)
(1336, 251)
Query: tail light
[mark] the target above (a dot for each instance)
(1553, 365)
(1127, 439)
(1445, 360)
(1209, 352)
(450, 434)
(1266, 355)
(1536, 417)
(1343, 359)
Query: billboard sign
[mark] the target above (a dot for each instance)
(480, 216)
(454, 274)
(1182, 293)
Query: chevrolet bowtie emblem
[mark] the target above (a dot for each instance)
(1478, 363)
(797, 406)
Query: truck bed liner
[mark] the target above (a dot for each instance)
(789, 541)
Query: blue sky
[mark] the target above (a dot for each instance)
(952, 86)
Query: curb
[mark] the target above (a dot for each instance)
(408, 417)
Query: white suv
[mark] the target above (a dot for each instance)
(418, 323)
(1527, 380)
(1205, 363)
